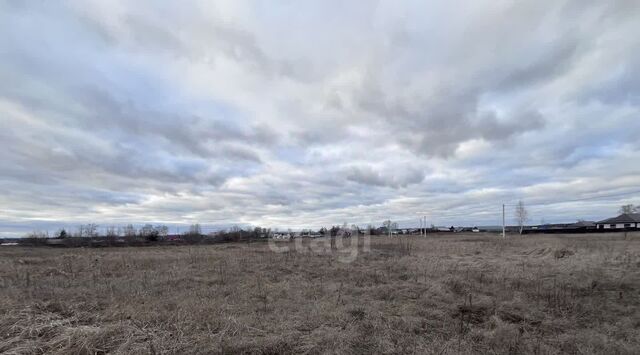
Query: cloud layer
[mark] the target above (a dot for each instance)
(302, 114)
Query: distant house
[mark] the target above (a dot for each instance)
(583, 225)
(578, 227)
(445, 229)
(173, 237)
(623, 221)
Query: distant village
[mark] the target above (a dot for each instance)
(90, 235)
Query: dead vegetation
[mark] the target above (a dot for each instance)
(441, 294)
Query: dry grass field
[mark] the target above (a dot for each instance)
(442, 294)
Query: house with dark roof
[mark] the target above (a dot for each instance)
(578, 227)
(623, 221)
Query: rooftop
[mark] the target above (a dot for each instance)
(623, 218)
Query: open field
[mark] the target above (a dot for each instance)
(464, 293)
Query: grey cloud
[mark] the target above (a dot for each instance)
(553, 61)
(395, 178)
(435, 124)
(127, 114)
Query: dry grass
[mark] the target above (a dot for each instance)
(442, 294)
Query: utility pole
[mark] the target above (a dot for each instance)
(420, 226)
(504, 234)
(425, 225)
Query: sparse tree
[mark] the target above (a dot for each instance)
(345, 232)
(194, 234)
(37, 235)
(37, 238)
(61, 234)
(111, 235)
(162, 230)
(149, 233)
(389, 226)
(130, 231)
(235, 233)
(112, 232)
(522, 215)
(152, 233)
(88, 230)
(630, 208)
(195, 229)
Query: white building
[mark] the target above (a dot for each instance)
(623, 221)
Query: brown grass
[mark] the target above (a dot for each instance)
(442, 294)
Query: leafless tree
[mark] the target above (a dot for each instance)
(88, 230)
(147, 231)
(112, 232)
(387, 225)
(195, 229)
(162, 230)
(130, 231)
(152, 234)
(522, 215)
(390, 226)
(626, 209)
(80, 232)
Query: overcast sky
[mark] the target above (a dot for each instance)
(309, 113)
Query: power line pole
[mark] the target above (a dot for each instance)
(504, 234)
(425, 225)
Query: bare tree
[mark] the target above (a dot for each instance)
(88, 230)
(111, 232)
(111, 235)
(626, 209)
(93, 229)
(522, 215)
(195, 229)
(148, 232)
(80, 232)
(130, 232)
(152, 234)
(162, 230)
(390, 226)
